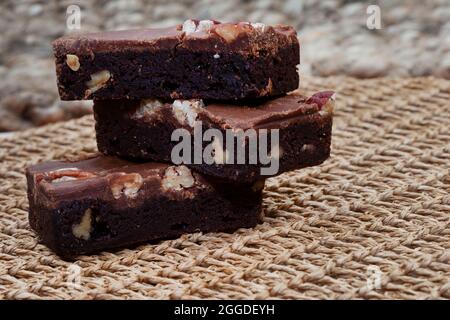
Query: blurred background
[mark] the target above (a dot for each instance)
(414, 40)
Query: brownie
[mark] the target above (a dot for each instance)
(198, 59)
(106, 202)
(142, 130)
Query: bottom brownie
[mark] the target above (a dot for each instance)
(106, 202)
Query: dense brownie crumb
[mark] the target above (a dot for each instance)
(123, 128)
(105, 203)
(171, 63)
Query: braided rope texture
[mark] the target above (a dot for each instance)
(372, 222)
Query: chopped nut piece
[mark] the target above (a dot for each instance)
(308, 148)
(323, 98)
(216, 56)
(328, 107)
(66, 169)
(147, 108)
(83, 229)
(186, 111)
(205, 26)
(229, 32)
(258, 26)
(73, 62)
(98, 80)
(126, 184)
(177, 178)
(67, 174)
(268, 89)
(63, 179)
(189, 26)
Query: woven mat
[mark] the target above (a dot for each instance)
(371, 222)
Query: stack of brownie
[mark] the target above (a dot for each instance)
(148, 85)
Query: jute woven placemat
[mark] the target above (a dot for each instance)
(371, 222)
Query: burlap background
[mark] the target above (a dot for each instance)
(371, 222)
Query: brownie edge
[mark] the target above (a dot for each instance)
(142, 130)
(106, 203)
(225, 61)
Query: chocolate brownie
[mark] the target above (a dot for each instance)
(142, 129)
(198, 59)
(106, 202)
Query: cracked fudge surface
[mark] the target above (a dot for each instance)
(142, 129)
(106, 202)
(199, 59)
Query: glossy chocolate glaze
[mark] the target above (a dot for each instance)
(247, 39)
(270, 113)
(93, 179)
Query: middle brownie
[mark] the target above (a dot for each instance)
(143, 129)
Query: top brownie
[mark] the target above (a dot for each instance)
(198, 59)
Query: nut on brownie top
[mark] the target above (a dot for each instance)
(198, 35)
(111, 178)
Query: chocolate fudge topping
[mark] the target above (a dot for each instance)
(198, 59)
(268, 114)
(96, 178)
(142, 129)
(244, 37)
